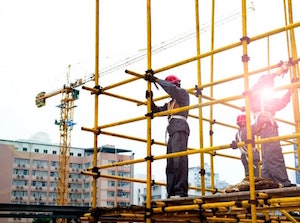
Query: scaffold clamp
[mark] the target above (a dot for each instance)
(99, 131)
(291, 62)
(245, 38)
(98, 90)
(198, 91)
(149, 94)
(150, 114)
(149, 158)
(96, 170)
(202, 172)
(152, 183)
(294, 80)
(245, 58)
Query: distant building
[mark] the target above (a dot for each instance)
(195, 179)
(29, 175)
(140, 192)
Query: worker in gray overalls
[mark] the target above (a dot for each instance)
(264, 109)
(178, 130)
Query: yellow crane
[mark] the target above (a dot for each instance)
(69, 94)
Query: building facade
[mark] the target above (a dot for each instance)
(195, 179)
(29, 173)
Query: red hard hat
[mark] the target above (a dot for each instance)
(241, 120)
(173, 79)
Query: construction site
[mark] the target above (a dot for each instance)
(218, 78)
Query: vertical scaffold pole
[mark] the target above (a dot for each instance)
(199, 98)
(149, 169)
(294, 73)
(212, 176)
(94, 204)
(245, 58)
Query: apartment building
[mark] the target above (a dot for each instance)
(29, 174)
(195, 179)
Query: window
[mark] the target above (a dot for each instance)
(54, 152)
(45, 151)
(110, 203)
(111, 183)
(124, 174)
(79, 154)
(112, 172)
(110, 193)
(54, 163)
(71, 154)
(124, 184)
(25, 149)
(36, 150)
(123, 203)
(123, 194)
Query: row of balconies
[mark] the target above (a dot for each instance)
(50, 199)
(26, 198)
(44, 188)
(18, 176)
(21, 165)
(38, 166)
(39, 177)
(75, 170)
(21, 187)
(26, 177)
(27, 166)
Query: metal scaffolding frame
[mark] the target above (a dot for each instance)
(251, 206)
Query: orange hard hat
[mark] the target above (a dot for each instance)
(241, 120)
(173, 79)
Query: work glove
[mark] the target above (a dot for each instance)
(284, 68)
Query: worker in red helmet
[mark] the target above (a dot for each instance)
(264, 109)
(241, 136)
(178, 130)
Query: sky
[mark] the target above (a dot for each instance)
(40, 39)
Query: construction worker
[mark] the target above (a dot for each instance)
(241, 136)
(264, 109)
(178, 130)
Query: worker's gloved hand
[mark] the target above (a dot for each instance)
(233, 145)
(283, 69)
(150, 77)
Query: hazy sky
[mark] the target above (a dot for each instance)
(41, 38)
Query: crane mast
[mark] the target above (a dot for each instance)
(69, 94)
(65, 127)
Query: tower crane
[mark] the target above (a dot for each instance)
(69, 94)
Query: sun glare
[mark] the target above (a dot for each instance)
(267, 93)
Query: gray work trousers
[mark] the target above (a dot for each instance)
(273, 165)
(256, 158)
(177, 168)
